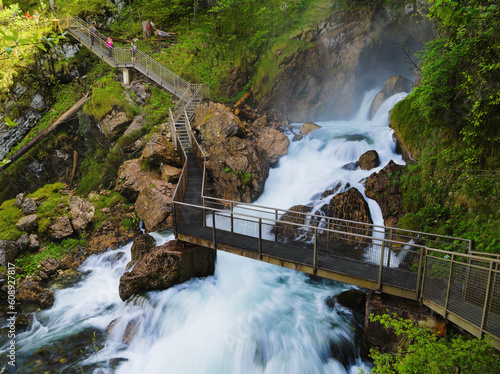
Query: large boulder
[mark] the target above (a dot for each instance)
(8, 251)
(30, 291)
(154, 205)
(368, 160)
(142, 245)
(350, 206)
(114, 124)
(132, 178)
(60, 228)
(382, 187)
(28, 223)
(159, 150)
(308, 127)
(287, 228)
(82, 213)
(170, 174)
(166, 266)
(215, 122)
(392, 86)
(239, 169)
(275, 143)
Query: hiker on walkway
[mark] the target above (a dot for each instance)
(133, 49)
(28, 16)
(92, 34)
(109, 43)
(36, 17)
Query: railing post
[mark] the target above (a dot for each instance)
(276, 225)
(328, 224)
(379, 284)
(214, 235)
(449, 286)
(315, 249)
(486, 297)
(232, 216)
(419, 272)
(389, 253)
(423, 275)
(260, 238)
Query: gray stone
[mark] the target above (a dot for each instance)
(23, 243)
(28, 206)
(38, 102)
(8, 252)
(20, 199)
(28, 223)
(82, 213)
(61, 228)
(34, 243)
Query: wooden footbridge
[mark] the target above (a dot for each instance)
(439, 271)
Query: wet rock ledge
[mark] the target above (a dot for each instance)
(162, 267)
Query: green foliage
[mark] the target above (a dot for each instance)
(108, 94)
(20, 40)
(110, 201)
(100, 169)
(156, 107)
(420, 351)
(83, 8)
(450, 124)
(30, 261)
(245, 178)
(9, 215)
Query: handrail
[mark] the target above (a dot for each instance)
(393, 231)
(121, 57)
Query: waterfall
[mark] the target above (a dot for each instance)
(250, 317)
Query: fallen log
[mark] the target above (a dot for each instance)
(25, 148)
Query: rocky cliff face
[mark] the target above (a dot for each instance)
(351, 52)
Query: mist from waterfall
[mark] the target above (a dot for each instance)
(250, 317)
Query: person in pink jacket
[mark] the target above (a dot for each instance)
(109, 43)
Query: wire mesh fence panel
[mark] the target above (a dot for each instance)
(475, 283)
(492, 321)
(467, 292)
(435, 285)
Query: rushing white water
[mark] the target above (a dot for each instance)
(250, 317)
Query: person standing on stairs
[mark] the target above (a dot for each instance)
(109, 43)
(92, 34)
(133, 49)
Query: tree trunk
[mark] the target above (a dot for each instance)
(74, 109)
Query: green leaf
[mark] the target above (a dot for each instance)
(10, 123)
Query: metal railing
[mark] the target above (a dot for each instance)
(461, 285)
(121, 57)
(400, 237)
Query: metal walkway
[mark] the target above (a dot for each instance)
(189, 95)
(461, 285)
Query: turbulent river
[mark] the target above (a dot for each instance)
(250, 317)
